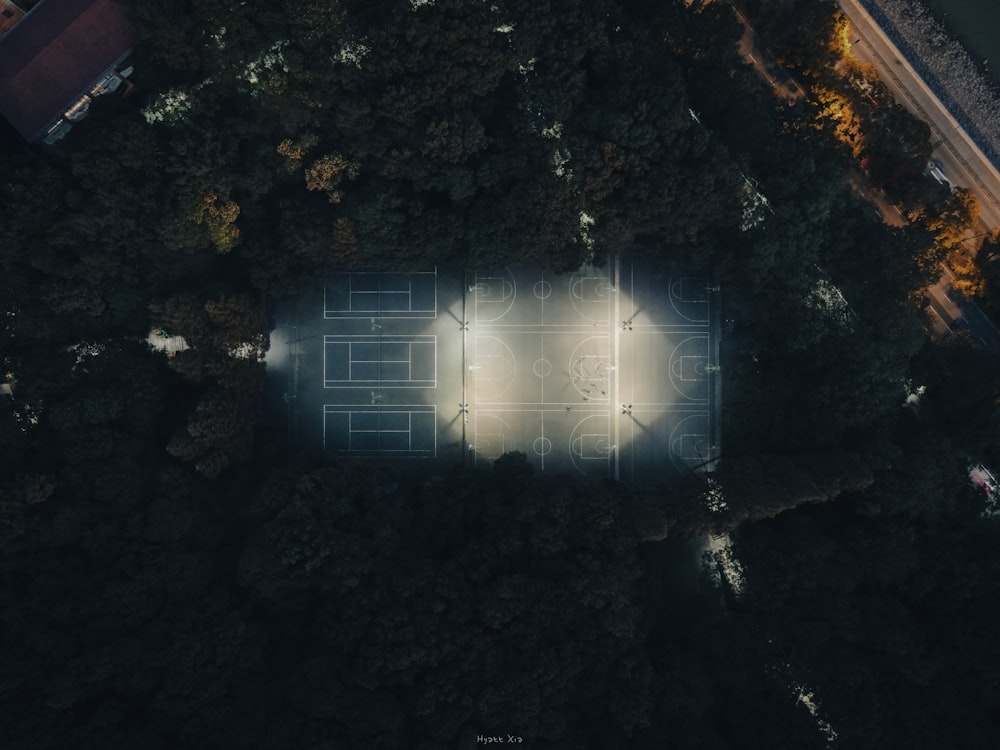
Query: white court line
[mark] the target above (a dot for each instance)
(357, 308)
(542, 428)
(590, 407)
(602, 446)
(631, 370)
(484, 280)
(477, 433)
(543, 358)
(677, 299)
(382, 315)
(674, 356)
(385, 409)
(408, 409)
(616, 360)
(380, 340)
(547, 327)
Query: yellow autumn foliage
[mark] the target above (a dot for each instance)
(326, 173)
(295, 151)
(219, 218)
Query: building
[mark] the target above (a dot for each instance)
(10, 14)
(56, 58)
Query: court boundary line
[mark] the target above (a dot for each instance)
(479, 280)
(589, 406)
(544, 415)
(675, 439)
(379, 409)
(378, 312)
(674, 356)
(507, 336)
(380, 340)
(578, 280)
(473, 447)
(478, 359)
(675, 299)
(576, 436)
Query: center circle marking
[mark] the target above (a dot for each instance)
(542, 289)
(542, 446)
(542, 368)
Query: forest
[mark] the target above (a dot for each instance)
(173, 577)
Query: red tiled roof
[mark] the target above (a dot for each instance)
(55, 55)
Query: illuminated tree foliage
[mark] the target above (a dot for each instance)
(227, 338)
(957, 214)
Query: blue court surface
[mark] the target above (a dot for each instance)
(607, 371)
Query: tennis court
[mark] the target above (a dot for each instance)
(364, 294)
(376, 429)
(366, 361)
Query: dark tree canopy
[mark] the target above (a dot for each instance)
(171, 577)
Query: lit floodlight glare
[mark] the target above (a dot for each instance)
(597, 372)
(592, 437)
(277, 355)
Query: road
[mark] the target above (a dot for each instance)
(951, 311)
(754, 52)
(961, 160)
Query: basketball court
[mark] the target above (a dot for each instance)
(605, 372)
